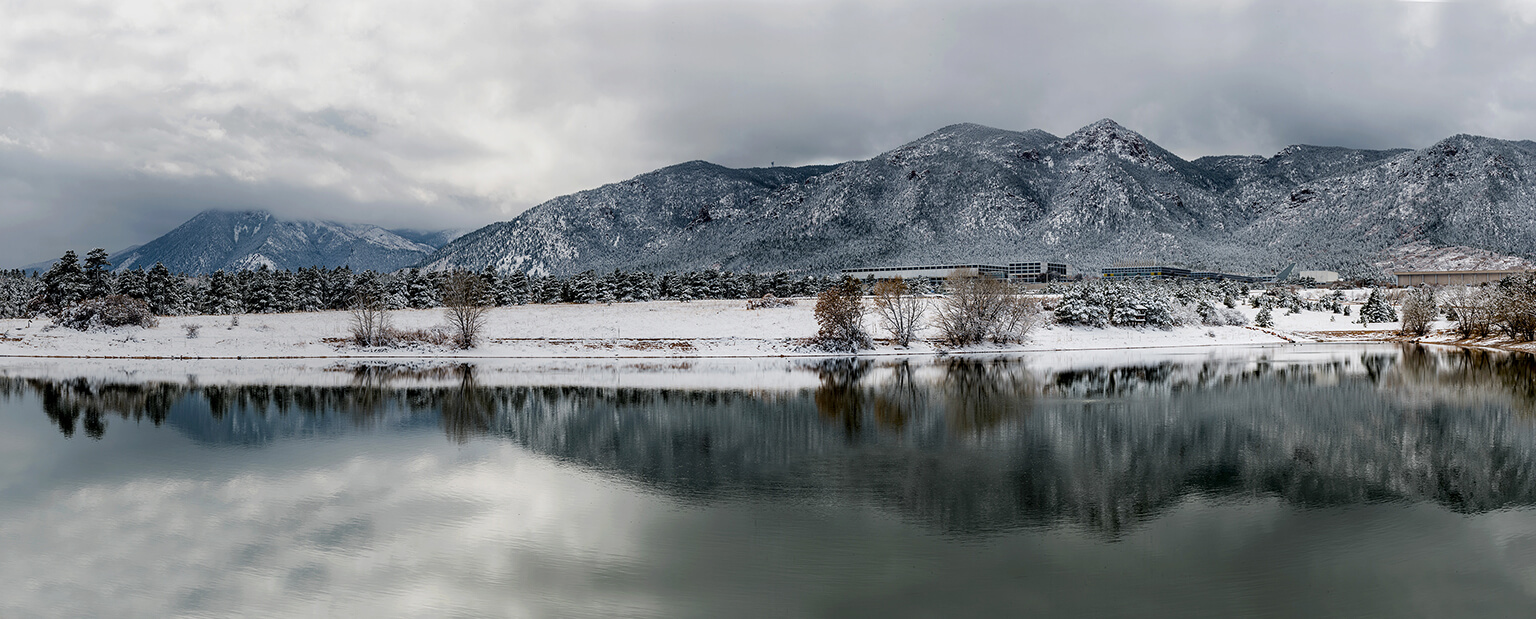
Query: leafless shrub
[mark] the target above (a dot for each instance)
(192, 330)
(436, 336)
(370, 320)
(1020, 316)
(464, 307)
(899, 310)
(840, 316)
(1395, 296)
(768, 302)
(1474, 310)
(1514, 308)
(1418, 311)
(982, 308)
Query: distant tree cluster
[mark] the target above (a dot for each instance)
(1507, 309)
(970, 311)
(72, 281)
(1150, 302)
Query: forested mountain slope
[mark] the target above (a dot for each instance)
(233, 241)
(1100, 195)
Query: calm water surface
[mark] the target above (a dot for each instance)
(1327, 481)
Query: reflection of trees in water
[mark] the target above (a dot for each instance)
(972, 395)
(969, 445)
(1446, 372)
(980, 394)
(840, 396)
(467, 409)
(78, 401)
(247, 411)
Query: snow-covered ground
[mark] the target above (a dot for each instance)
(660, 329)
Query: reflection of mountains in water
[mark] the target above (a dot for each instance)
(964, 445)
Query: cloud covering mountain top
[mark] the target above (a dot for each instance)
(119, 120)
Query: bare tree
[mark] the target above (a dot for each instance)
(1418, 311)
(980, 308)
(1515, 307)
(464, 305)
(1474, 311)
(370, 319)
(1020, 316)
(899, 310)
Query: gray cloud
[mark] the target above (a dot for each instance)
(115, 124)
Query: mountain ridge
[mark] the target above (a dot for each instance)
(967, 192)
(247, 239)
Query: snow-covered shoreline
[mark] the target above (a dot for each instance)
(649, 330)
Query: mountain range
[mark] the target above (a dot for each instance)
(232, 241)
(1100, 195)
(965, 193)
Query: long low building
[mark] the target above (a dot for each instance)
(1128, 271)
(1452, 278)
(1036, 271)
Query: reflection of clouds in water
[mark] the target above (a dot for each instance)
(422, 536)
(1134, 490)
(507, 534)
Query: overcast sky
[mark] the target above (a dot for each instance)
(121, 118)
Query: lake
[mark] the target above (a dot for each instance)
(1304, 481)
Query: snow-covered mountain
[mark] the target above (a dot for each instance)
(248, 239)
(1100, 195)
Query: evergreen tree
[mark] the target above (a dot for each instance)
(98, 277)
(132, 283)
(339, 288)
(222, 296)
(258, 294)
(160, 290)
(551, 289)
(64, 284)
(781, 285)
(1376, 309)
(685, 287)
(308, 290)
(397, 288)
(492, 286)
(1265, 318)
(608, 287)
(644, 286)
(517, 287)
(17, 292)
(367, 285)
(583, 287)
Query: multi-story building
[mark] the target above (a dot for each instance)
(1143, 270)
(1125, 271)
(937, 271)
(1036, 271)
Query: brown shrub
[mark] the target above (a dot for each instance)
(840, 316)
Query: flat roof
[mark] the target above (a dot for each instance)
(1467, 272)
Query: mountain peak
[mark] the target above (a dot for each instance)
(244, 239)
(1110, 138)
(1105, 124)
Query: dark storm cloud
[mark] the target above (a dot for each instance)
(1199, 77)
(431, 114)
(51, 206)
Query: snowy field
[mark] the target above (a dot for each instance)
(651, 330)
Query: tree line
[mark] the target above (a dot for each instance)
(72, 281)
